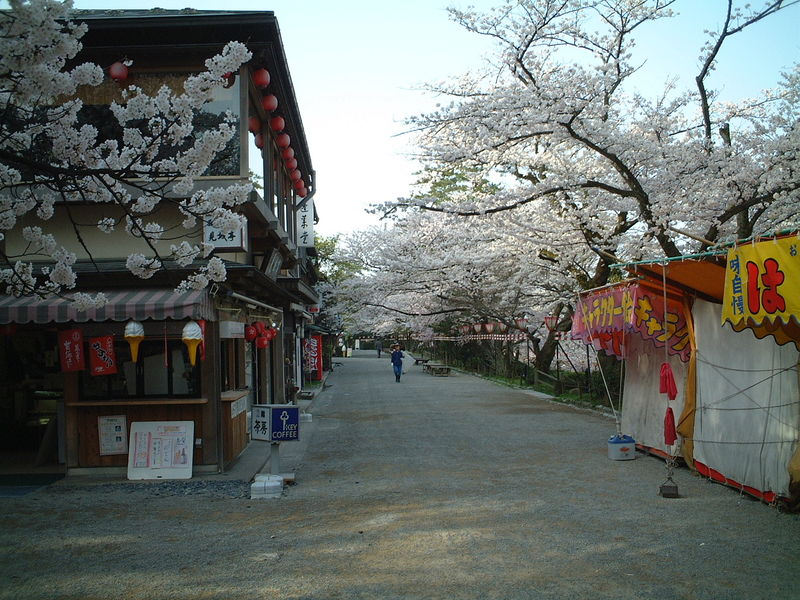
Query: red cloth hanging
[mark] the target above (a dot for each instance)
(670, 433)
(667, 382)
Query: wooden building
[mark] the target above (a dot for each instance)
(59, 417)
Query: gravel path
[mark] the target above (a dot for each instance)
(431, 488)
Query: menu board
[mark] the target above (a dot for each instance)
(161, 450)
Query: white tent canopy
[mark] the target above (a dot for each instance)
(747, 423)
(643, 407)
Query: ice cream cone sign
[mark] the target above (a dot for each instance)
(134, 334)
(192, 336)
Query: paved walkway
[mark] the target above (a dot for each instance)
(454, 487)
(435, 488)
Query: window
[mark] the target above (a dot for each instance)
(232, 358)
(157, 374)
(96, 112)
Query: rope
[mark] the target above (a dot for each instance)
(724, 368)
(617, 422)
(731, 443)
(758, 407)
(672, 458)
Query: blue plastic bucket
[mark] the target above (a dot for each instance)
(621, 447)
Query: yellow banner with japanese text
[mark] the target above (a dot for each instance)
(762, 283)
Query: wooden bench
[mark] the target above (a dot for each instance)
(421, 361)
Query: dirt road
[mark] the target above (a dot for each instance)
(434, 487)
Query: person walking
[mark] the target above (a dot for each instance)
(397, 361)
(378, 347)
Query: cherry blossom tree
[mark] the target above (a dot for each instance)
(585, 172)
(51, 158)
(633, 174)
(431, 272)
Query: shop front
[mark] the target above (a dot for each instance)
(74, 381)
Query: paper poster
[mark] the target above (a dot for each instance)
(112, 433)
(161, 450)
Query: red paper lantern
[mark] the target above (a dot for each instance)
(269, 102)
(118, 71)
(287, 153)
(295, 175)
(259, 141)
(299, 184)
(262, 342)
(229, 79)
(261, 78)
(283, 140)
(277, 124)
(260, 327)
(270, 333)
(250, 333)
(254, 124)
(291, 163)
(302, 192)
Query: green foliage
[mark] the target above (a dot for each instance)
(448, 183)
(331, 269)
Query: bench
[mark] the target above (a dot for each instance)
(440, 371)
(421, 361)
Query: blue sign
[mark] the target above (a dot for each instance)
(275, 423)
(285, 423)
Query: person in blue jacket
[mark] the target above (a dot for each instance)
(397, 361)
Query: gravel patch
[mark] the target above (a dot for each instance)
(154, 489)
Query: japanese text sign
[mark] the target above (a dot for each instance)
(231, 241)
(102, 359)
(605, 317)
(762, 282)
(70, 350)
(275, 423)
(305, 224)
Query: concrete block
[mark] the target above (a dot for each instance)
(266, 486)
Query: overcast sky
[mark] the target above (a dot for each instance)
(356, 66)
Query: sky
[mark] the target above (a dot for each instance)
(357, 67)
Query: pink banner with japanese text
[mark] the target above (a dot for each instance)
(605, 318)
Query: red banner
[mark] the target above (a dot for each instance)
(102, 359)
(70, 350)
(604, 318)
(312, 354)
